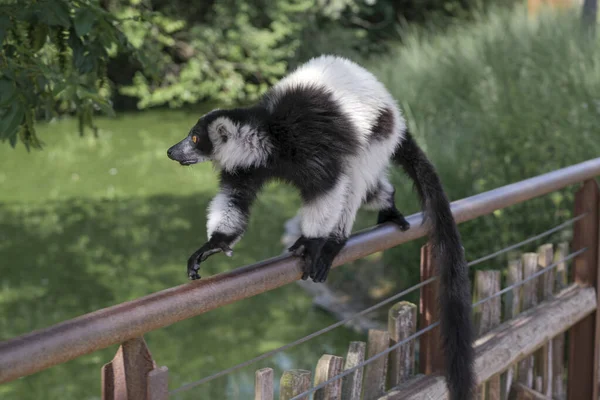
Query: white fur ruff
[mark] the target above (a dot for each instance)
(238, 145)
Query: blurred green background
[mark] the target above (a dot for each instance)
(493, 95)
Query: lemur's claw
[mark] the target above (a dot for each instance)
(329, 251)
(310, 250)
(202, 254)
(318, 254)
(194, 275)
(320, 271)
(193, 265)
(394, 216)
(298, 247)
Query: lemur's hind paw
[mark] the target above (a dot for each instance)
(310, 250)
(202, 254)
(318, 254)
(394, 216)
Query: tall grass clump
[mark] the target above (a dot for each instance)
(499, 100)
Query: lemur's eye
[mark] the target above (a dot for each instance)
(195, 138)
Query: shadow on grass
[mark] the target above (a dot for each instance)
(61, 260)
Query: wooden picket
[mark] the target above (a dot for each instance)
(538, 375)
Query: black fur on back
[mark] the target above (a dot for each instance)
(311, 137)
(384, 125)
(454, 298)
(255, 116)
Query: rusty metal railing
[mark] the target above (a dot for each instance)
(41, 349)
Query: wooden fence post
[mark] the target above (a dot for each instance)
(584, 336)
(511, 310)
(431, 359)
(529, 300)
(546, 286)
(352, 383)
(402, 323)
(263, 384)
(132, 374)
(328, 367)
(294, 382)
(376, 371)
(487, 317)
(558, 343)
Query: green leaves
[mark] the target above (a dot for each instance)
(4, 25)
(54, 13)
(229, 56)
(7, 91)
(86, 119)
(10, 120)
(54, 56)
(83, 60)
(38, 37)
(84, 21)
(177, 53)
(103, 105)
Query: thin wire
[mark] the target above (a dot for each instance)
(376, 356)
(368, 310)
(538, 273)
(422, 331)
(529, 240)
(304, 339)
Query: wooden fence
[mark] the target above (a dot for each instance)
(529, 375)
(539, 336)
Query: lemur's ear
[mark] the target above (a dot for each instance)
(223, 133)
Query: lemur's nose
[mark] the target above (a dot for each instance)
(170, 152)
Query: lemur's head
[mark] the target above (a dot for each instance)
(197, 146)
(232, 138)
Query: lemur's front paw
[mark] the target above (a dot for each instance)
(310, 250)
(394, 216)
(202, 254)
(325, 260)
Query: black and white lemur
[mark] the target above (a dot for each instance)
(331, 129)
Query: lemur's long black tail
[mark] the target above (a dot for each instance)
(454, 299)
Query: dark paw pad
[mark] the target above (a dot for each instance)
(328, 253)
(310, 250)
(321, 271)
(394, 216)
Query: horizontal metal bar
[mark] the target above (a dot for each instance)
(403, 293)
(41, 349)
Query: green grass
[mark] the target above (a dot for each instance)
(128, 160)
(502, 99)
(90, 223)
